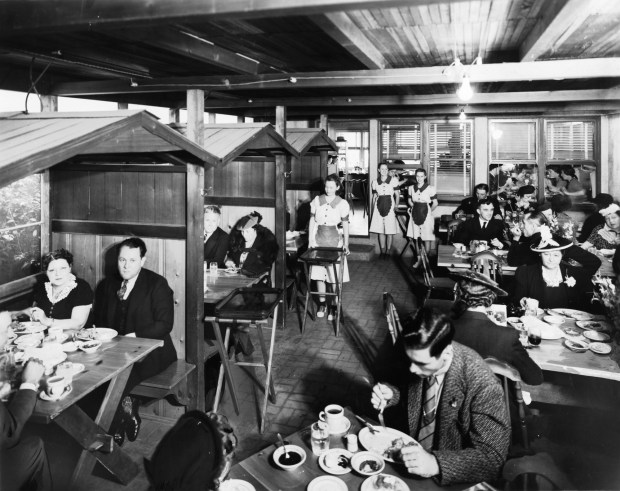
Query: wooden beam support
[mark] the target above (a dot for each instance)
(340, 27)
(497, 72)
(195, 116)
(282, 164)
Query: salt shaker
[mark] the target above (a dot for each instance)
(352, 443)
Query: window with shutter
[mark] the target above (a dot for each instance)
(450, 157)
(401, 142)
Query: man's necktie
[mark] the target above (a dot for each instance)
(123, 289)
(429, 409)
(484, 225)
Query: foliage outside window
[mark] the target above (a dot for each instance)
(357, 151)
(401, 142)
(450, 157)
(20, 229)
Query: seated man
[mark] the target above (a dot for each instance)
(482, 227)
(138, 303)
(469, 205)
(453, 405)
(474, 294)
(23, 461)
(520, 251)
(215, 239)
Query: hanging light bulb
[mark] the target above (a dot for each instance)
(465, 92)
(462, 115)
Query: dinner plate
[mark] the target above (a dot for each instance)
(29, 328)
(573, 314)
(384, 481)
(50, 355)
(236, 485)
(326, 483)
(69, 347)
(98, 333)
(383, 442)
(69, 369)
(335, 454)
(28, 341)
(594, 325)
(43, 395)
(346, 425)
(596, 336)
(576, 345)
(547, 331)
(600, 348)
(231, 271)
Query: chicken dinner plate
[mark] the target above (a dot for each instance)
(384, 481)
(336, 461)
(387, 442)
(28, 328)
(594, 325)
(579, 315)
(97, 333)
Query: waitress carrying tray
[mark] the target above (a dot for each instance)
(248, 307)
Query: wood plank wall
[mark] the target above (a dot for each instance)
(241, 183)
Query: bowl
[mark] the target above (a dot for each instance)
(296, 457)
(90, 346)
(554, 320)
(367, 463)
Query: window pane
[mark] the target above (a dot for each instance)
(576, 181)
(357, 151)
(570, 140)
(20, 228)
(513, 140)
(450, 157)
(400, 142)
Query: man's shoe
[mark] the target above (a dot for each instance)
(331, 314)
(321, 311)
(131, 418)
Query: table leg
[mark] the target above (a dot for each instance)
(84, 430)
(308, 296)
(222, 347)
(269, 386)
(338, 287)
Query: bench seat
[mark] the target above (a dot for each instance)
(169, 383)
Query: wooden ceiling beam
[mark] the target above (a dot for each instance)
(500, 72)
(558, 19)
(426, 100)
(340, 27)
(45, 15)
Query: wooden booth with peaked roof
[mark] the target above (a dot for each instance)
(106, 176)
(309, 170)
(249, 172)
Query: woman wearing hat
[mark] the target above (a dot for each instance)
(475, 293)
(607, 236)
(327, 212)
(253, 247)
(524, 201)
(554, 285)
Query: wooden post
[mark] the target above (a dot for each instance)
(211, 117)
(122, 105)
(194, 301)
(240, 119)
(49, 103)
(282, 163)
(323, 122)
(174, 115)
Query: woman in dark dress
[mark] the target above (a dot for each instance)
(253, 247)
(64, 300)
(553, 284)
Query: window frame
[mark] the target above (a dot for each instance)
(413, 122)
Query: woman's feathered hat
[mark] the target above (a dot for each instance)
(549, 242)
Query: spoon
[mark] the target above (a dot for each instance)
(283, 446)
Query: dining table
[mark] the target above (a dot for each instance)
(112, 363)
(449, 257)
(261, 472)
(220, 285)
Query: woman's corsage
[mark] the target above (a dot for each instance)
(570, 281)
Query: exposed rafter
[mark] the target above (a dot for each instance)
(501, 72)
(341, 28)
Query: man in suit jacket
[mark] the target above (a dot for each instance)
(215, 239)
(469, 205)
(138, 303)
(482, 227)
(473, 328)
(462, 425)
(23, 461)
(520, 251)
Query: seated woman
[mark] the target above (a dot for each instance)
(64, 300)
(606, 236)
(253, 247)
(553, 284)
(524, 201)
(573, 186)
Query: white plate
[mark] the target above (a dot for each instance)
(28, 341)
(343, 429)
(576, 345)
(547, 331)
(554, 320)
(596, 336)
(236, 485)
(573, 314)
(98, 333)
(600, 348)
(58, 339)
(69, 369)
(395, 483)
(66, 392)
(361, 460)
(381, 441)
(50, 354)
(594, 325)
(29, 328)
(326, 483)
(335, 453)
(231, 271)
(69, 347)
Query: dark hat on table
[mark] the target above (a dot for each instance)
(468, 276)
(603, 200)
(545, 241)
(527, 189)
(249, 221)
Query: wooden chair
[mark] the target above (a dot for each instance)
(432, 284)
(488, 264)
(452, 226)
(391, 314)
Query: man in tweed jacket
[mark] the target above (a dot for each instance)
(472, 428)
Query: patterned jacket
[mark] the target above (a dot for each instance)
(472, 432)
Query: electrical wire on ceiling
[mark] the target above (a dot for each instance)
(33, 83)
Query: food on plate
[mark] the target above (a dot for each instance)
(385, 481)
(393, 451)
(370, 465)
(571, 331)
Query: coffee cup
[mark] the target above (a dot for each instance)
(56, 386)
(333, 415)
(530, 305)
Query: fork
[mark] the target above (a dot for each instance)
(381, 419)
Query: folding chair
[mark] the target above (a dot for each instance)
(391, 314)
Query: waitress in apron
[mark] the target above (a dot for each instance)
(422, 202)
(327, 212)
(383, 221)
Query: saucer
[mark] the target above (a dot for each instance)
(600, 348)
(336, 454)
(69, 369)
(344, 427)
(68, 389)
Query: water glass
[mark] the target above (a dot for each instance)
(213, 268)
(319, 437)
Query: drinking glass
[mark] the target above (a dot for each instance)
(213, 268)
(533, 335)
(319, 437)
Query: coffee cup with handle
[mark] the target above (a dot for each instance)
(333, 415)
(56, 386)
